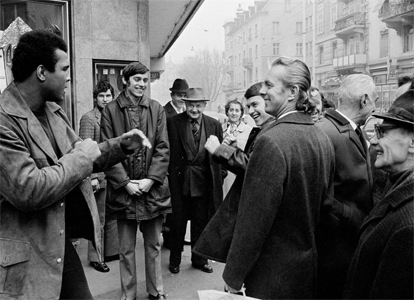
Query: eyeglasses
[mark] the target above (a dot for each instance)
(380, 129)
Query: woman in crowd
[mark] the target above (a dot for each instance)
(214, 242)
(235, 134)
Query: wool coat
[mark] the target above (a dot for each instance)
(177, 133)
(382, 266)
(214, 243)
(169, 110)
(342, 216)
(43, 197)
(115, 121)
(289, 174)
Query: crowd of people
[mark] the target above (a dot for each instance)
(313, 208)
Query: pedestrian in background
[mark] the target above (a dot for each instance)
(343, 215)
(289, 175)
(46, 195)
(103, 93)
(195, 178)
(382, 265)
(138, 187)
(214, 242)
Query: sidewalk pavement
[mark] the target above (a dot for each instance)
(181, 286)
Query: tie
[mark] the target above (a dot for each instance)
(195, 128)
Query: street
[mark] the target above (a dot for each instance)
(184, 285)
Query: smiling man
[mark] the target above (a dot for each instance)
(382, 265)
(195, 178)
(288, 176)
(138, 188)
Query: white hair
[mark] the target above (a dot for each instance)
(354, 87)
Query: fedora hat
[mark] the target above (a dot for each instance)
(179, 86)
(195, 94)
(402, 110)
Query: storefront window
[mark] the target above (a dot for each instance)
(39, 15)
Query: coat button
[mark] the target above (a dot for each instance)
(61, 204)
(179, 173)
(59, 260)
(61, 232)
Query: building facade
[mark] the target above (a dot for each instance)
(103, 36)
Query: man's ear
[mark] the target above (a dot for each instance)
(364, 100)
(40, 73)
(124, 81)
(411, 146)
(294, 91)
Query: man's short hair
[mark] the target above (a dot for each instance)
(254, 90)
(102, 87)
(36, 48)
(134, 68)
(354, 86)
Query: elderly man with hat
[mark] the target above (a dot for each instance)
(382, 265)
(195, 178)
(178, 91)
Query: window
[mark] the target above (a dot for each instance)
(41, 15)
(244, 37)
(334, 49)
(275, 49)
(250, 55)
(334, 15)
(255, 30)
(256, 74)
(408, 37)
(276, 28)
(321, 55)
(307, 49)
(351, 44)
(319, 27)
(298, 49)
(250, 34)
(257, 51)
(299, 27)
(288, 5)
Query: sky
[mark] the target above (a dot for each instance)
(205, 29)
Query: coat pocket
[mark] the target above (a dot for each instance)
(14, 263)
(159, 194)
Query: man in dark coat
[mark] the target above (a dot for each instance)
(195, 179)
(342, 216)
(382, 266)
(139, 185)
(172, 108)
(289, 175)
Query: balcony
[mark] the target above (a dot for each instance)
(352, 23)
(248, 63)
(397, 14)
(349, 62)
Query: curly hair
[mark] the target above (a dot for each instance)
(296, 72)
(36, 48)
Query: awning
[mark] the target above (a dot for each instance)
(379, 5)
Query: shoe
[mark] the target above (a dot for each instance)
(173, 269)
(158, 297)
(111, 258)
(205, 268)
(100, 267)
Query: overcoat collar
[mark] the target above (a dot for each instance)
(97, 114)
(295, 118)
(400, 193)
(124, 101)
(343, 126)
(14, 104)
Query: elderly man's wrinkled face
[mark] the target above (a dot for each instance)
(392, 144)
(195, 108)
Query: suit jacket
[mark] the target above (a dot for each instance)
(169, 110)
(42, 196)
(90, 127)
(288, 176)
(382, 266)
(179, 163)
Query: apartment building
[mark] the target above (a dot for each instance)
(334, 37)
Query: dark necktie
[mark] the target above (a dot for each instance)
(358, 131)
(195, 128)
